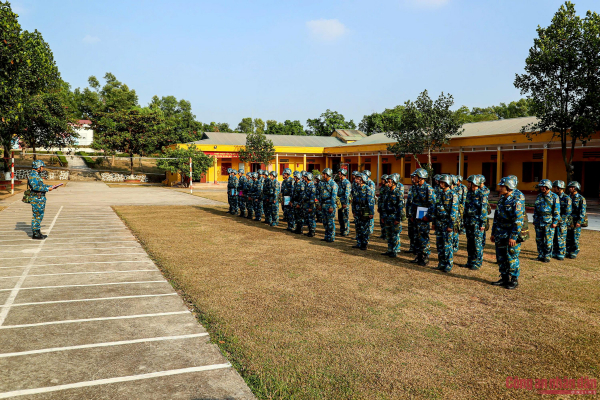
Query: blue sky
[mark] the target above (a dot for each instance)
(295, 59)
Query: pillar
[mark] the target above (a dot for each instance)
(402, 169)
(359, 168)
(545, 163)
(378, 177)
(461, 162)
(277, 164)
(215, 168)
(498, 165)
(304, 165)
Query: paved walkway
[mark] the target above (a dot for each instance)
(86, 314)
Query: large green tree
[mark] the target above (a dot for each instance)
(112, 96)
(286, 128)
(258, 149)
(177, 160)
(381, 122)
(179, 119)
(561, 80)
(327, 123)
(425, 126)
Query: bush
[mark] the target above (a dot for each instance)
(62, 159)
(86, 159)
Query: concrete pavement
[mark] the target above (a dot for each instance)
(85, 314)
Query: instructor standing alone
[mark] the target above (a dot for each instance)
(38, 198)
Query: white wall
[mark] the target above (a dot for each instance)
(86, 136)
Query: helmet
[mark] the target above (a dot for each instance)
(328, 172)
(447, 179)
(545, 182)
(513, 177)
(559, 184)
(454, 179)
(249, 174)
(509, 182)
(304, 173)
(355, 173)
(287, 171)
(384, 177)
(437, 177)
(363, 176)
(475, 180)
(342, 171)
(318, 177)
(241, 171)
(483, 179)
(297, 174)
(234, 171)
(397, 176)
(37, 163)
(308, 176)
(367, 173)
(393, 178)
(459, 178)
(229, 170)
(421, 173)
(575, 185)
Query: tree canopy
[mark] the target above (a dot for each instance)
(327, 123)
(381, 122)
(178, 161)
(258, 149)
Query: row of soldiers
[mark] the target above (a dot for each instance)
(448, 207)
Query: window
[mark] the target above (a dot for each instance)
(312, 167)
(437, 168)
(532, 171)
(465, 173)
(407, 170)
(225, 167)
(367, 166)
(386, 169)
(282, 167)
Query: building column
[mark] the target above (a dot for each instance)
(277, 163)
(461, 162)
(498, 165)
(402, 169)
(358, 165)
(304, 165)
(215, 170)
(545, 163)
(378, 168)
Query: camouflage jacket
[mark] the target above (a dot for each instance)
(329, 192)
(422, 196)
(251, 188)
(274, 189)
(298, 195)
(566, 207)
(365, 199)
(287, 187)
(344, 191)
(578, 208)
(36, 183)
(476, 209)
(382, 198)
(547, 210)
(354, 194)
(508, 218)
(243, 186)
(309, 195)
(266, 188)
(444, 210)
(393, 207)
(232, 183)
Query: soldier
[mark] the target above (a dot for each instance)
(546, 217)
(393, 209)
(309, 203)
(485, 191)
(258, 195)
(232, 185)
(423, 197)
(372, 186)
(508, 221)
(411, 224)
(579, 216)
(344, 194)
(318, 183)
(444, 212)
(38, 198)
(365, 208)
(354, 193)
(251, 188)
(297, 198)
(242, 182)
(328, 201)
(266, 197)
(380, 202)
(462, 198)
(274, 190)
(476, 215)
(287, 190)
(457, 188)
(559, 248)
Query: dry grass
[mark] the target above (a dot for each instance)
(305, 319)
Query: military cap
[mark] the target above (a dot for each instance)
(545, 182)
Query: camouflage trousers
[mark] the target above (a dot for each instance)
(319, 215)
(573, 241)
(250, 207)
(559, 249)
(310, 217)
(508, 257)
(298, 217)
(344, 220)
(38, 207)
(475, 239)
(455, 240)
(288, 214)
(362, 231)
(444, 243)
(411, 235)
(241, 201)
(371, 226)
(392, 235)
(233, 201)
(258, 209)
(421, 237)
(382, 225)
(267, 210)
(274, 212)
(544, 238)
(328, 223)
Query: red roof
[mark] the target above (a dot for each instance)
(84, 121)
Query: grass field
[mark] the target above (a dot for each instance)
(304, 319)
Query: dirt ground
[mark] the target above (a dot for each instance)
(305, 319)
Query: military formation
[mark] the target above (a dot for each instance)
(448, 207)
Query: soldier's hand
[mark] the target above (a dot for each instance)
(344, 206)
(578, 225)
(396, 222)
(512, 242)
(449, 229)
(330, 210)
(370, 217)
(482, 228)
(492, 239)
(310, 210)
(50, 189)
(412, 219)
(553, 226)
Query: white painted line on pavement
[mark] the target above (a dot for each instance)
(78, 255)
(83, 273)
(104, 344)
(15, 290)
(89, 248)
(120, 379)
(85, 285)
(72, 321)
(54, 244)
(80, 263)
(35, 303)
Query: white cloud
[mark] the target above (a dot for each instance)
(326, 30)
(429, 3)
(89, 39)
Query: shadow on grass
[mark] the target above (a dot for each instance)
(376, 245)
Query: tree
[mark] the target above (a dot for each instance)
(327, 123)
(259, 125)
(245, 126)
(561, 80)
(514, 109)
(179, 119)
(381, 122)
(286, 128)
(136, 131)
(258, 149)
(14, 62)
(113, 96)
(178, 161)
(216, 127)
(425, 126)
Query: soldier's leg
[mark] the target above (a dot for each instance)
(37, 208)
(275, 214)
(573, 242)
(514, 266)
(502, 257)
(257, 209)
(229, 201)
(371, 226)
(299, 219)
(449, 249)
(547, 236)
(558, 247)
(331, 225)
(234, 201)
(455, 240)
(539, 241)
(267, 210)
(423, 235)
(440, 245)
(478, 237)
(345, 221)
(311, 222)
(291, 224)
(250, 207)
(382, 225)
(411, 236)
(470, 233)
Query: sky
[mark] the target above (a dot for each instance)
(295, 59)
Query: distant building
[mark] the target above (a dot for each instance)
(86, 135)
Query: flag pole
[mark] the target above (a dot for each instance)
(12, 173)
(191, 180)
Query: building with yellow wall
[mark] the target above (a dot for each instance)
(491, 148)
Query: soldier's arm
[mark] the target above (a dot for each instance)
(38, 184)
(454, 210)
(569, 208)
(583, 210)
(518, 213)
(556, 211)
(484, 212)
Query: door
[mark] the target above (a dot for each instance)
(591, 179)
(488, 170)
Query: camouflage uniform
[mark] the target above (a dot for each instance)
(547, 213)
(423, 196)
(258, 198)
(344, 192)
(242, 184)
(444, 211)
(354, 193)
(309, 206)
(578, 213)
(410, 222)
(380, 208)
(393, 209)
(318, 213)
(461, 192)
(250, 193)
(266, 200)
(485, 191)
(372, 222)
(297, 199)
(476, 214)
(329, 191)
(38, 201)
(273, 210)
(287, 189)
(232, 186)
(559, 249)
(365, 204)
(508, 221)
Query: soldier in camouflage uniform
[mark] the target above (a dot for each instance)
(380, 202)
(393, 209)
(411, 224)
(309, 203)
(38, 198)
(444, 212)
(251, 188)
(546, 217)
(242, 181)
(423, 196)
(365, 208)
(258, 195)
(274, 190)
(559, 249)
(456, 188)
(287, 190)
(373, 187)
(297, 198)
(476, 215)
(578, 215)
(486, 192)
(232, 185)
(328, 201)
(354, 193)
(462, 198)
(344, 193)
(318, 179)
(508, 221)
(266, 197)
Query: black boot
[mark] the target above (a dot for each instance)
(502, 281)
(298, 230)
(38, 235)
(424, 261)
(363, 247)
(387, 253)
(417, 259)
(310, 233)
(356, 246)
(513, 283)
